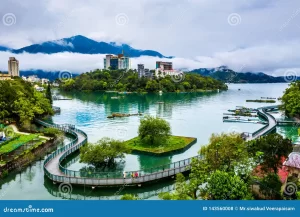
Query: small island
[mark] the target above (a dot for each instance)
(127, 81)
(155, 138)
(175, 144)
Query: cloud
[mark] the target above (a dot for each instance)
(63, 43)
(197, 32)
(268, 58)
(184, 28)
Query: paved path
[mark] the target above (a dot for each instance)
(16, 130)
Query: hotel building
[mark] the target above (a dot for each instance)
(116, 62)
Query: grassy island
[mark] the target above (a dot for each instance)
(173, 144)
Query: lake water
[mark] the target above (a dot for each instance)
(189, 114)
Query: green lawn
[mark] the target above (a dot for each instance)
(174, 143)
(16, 143)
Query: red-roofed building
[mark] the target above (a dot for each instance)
(292, 164)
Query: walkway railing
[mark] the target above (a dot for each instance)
(117, 178)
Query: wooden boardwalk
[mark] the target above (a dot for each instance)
(57, 173)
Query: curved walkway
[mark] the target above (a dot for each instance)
(56, 172)
(270, 119)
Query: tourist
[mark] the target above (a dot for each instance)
(132, 175)
(124, 174)
(136, 174)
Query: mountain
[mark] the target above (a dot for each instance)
(4, 48)
(224, 74)
(84, 45)
(45, 74)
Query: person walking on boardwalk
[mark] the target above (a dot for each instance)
(136, 175)
(124, 174)
(132, 174)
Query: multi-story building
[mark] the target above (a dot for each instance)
(165, 68)
(4, 76)
(116, 62)
(148, 73)
(164, 65)
(142, 72)
(13, 67)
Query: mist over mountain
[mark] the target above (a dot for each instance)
(83, 45)
(227, 75)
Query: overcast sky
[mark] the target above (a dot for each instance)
(246, 35)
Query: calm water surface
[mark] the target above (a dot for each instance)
(190, 114)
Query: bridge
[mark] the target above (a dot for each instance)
(55, 171)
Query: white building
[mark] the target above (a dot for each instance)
(162, 73)
(13, 67)
(44, 81)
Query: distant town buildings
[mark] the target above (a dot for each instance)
(13, 67)
(116, 62)
(35, 79)
(4, 76)
(165, 68)
(142, 72)
(164, 65)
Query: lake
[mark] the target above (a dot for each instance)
(189, 114)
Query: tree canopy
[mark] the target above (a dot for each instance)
(224, 150)
(103, 153)
(226, 186)
(226, 169)
(290, 100)
(123, 80)
(154, 130)
(21, 102)
(49, 94)
(273, 148)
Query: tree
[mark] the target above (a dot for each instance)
(21, 102)
(48, 94)
(290, 100)
(224, 150)
(154, 130)
(270, 186)
(103, 153)
(181, 190)
(273, 148)
(226, 186)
